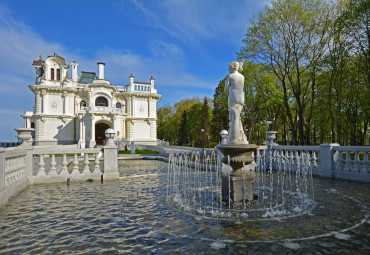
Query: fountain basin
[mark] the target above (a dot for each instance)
(134, 215)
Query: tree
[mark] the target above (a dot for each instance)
(220, 113)
(289, 38)
(183, 134)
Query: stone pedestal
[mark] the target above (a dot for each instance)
(110, 163)
(238, 186)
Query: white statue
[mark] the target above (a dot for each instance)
(234, 90)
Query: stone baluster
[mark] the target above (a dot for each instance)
(365, 168)
(297, 159)
(258, 162)
(340, 161)
(313, 159)
(357, 162)
(347, 168)
(64, 165)
(96, 163)
(282, 158)
(75, 162)
(286, 159)
(86, 163)
(41, 165)
(53, 164)
(291, 160)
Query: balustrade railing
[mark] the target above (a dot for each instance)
(13, 172)
(352, 159)
(14, 167)
(294, 155)
(330, 160)
(102, 109)
(62, 164)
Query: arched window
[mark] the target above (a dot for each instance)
(118, 105)
(58, 74)
(52, 74)
(82, 104)
(32, 124)
(101, 101)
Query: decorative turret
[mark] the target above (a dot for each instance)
(39, 68)
(131, 79)
(152, 80)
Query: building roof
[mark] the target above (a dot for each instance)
(87, 77)
(57, 56)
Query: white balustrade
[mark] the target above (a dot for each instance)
(52, 170)
(102, 109)
(64, 170)
(292, 156)
(14, 168)
(346, 162)
(86, 163)
(359, 163)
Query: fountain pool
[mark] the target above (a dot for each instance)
(134, 215)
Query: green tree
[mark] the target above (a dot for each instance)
(183, 134)
(220, 113)
(289, 38)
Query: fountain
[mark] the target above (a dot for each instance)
(245, 193)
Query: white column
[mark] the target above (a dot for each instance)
(149, 106)
(124, 128)
(65, 103)
(92, 140)
(38, 102)
(43, 106)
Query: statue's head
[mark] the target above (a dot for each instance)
(235, 66)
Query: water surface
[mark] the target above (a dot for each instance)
(132, 216)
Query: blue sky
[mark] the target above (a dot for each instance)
(186, 44)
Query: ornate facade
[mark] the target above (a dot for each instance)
(80, 109)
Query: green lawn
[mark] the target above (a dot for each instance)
(71, 154)
(138, 152)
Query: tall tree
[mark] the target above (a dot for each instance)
(220, 113)
(183, 134)
(289, 37)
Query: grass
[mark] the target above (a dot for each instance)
(71, 154)
(138, 152)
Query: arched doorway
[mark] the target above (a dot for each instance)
(100, 133)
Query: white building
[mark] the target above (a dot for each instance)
(79, 110)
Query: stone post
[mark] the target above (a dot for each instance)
(29, 165)
(328, 159)
(2, 170)
(110, 157)
(132, 147)
(110, 162)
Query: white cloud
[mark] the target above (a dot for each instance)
(168, 69)
(194, 20)
(19, 45)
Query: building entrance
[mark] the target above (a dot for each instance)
(100, 133)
